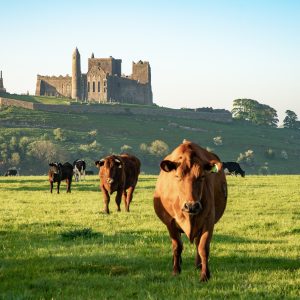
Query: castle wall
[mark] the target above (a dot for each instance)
(108, 65)
(141, 72)
(126, 90)
(54, 86)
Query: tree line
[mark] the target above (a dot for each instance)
(261, 114)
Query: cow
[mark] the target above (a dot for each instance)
(79, 167)
(233, 168)
(59, 172)
(190, 197)
(11, 172)
(118, 173)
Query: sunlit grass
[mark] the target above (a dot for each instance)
(62, 246)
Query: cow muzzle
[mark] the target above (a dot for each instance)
(192, 208)
(109, 180)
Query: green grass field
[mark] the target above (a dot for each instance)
(61, 247)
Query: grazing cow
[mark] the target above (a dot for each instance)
(59, 172)
(233, 168)
(190, 197)
(118, 173)
(79, 169)
(11, 172)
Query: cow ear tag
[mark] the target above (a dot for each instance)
(214, 169)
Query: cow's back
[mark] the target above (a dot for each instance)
(132, 169)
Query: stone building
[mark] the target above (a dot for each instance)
(2, 89)
(103, 82)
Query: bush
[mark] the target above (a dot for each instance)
(246, 158)
(270, 153)
(126, 148)
(218, 140)
(58, 134)
(264, 170)
(284, 155)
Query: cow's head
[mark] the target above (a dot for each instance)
(110, 169)
(191, 167)
(54, 171)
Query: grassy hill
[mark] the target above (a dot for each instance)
(111, 132)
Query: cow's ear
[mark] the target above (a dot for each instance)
(51, 164)
(99, 163)
(214, 166)
(168, 166)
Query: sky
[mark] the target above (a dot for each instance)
(202, 53)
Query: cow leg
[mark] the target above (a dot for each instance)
(129, 198)
(106, 200)
(177, 247)
(58, 184)
(51, 186)
(83, 175)
(124, 196)
(69, 181)
(118, 200)
(203, 253)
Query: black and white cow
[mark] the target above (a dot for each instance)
(233, 168)
(59, 172)
(11, 172)
(79, 167)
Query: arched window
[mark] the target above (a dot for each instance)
(88, 87)
(93, 86)
(98, 86)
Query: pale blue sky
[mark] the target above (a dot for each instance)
(202, 53)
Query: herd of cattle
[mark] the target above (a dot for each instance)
(190, 194)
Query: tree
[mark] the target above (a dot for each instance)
(44, 151)
(254, 112)
(290, 120)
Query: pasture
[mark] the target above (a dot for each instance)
(63, 247)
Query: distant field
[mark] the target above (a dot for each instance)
(62, 247)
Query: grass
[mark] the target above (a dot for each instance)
(62, 247)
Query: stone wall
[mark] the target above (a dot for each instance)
(126, 90)
(59, 86)
(17, 103)
(225, 117)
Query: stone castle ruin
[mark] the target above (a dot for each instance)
(103, 82)
(2, 89)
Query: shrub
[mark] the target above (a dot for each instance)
(218, 140)
(270, 153)
(246, 158)
(126, 148)
(284, 155)
(58, 134)
(45, 151)
(264, 170)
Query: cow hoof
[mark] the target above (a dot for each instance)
(175, 273)
(105, 212)
(204, 277)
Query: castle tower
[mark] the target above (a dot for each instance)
(2, 89)
(76, 75)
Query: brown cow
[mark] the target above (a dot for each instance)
(190, 197)
(118, 174)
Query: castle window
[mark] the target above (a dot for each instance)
(88, 87)
(104, 83)
(98, 86)
(104, 90)
(94, 87)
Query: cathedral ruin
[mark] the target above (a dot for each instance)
(103, 82)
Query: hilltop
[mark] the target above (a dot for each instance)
(93, 135)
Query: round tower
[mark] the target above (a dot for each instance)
(76, 75)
